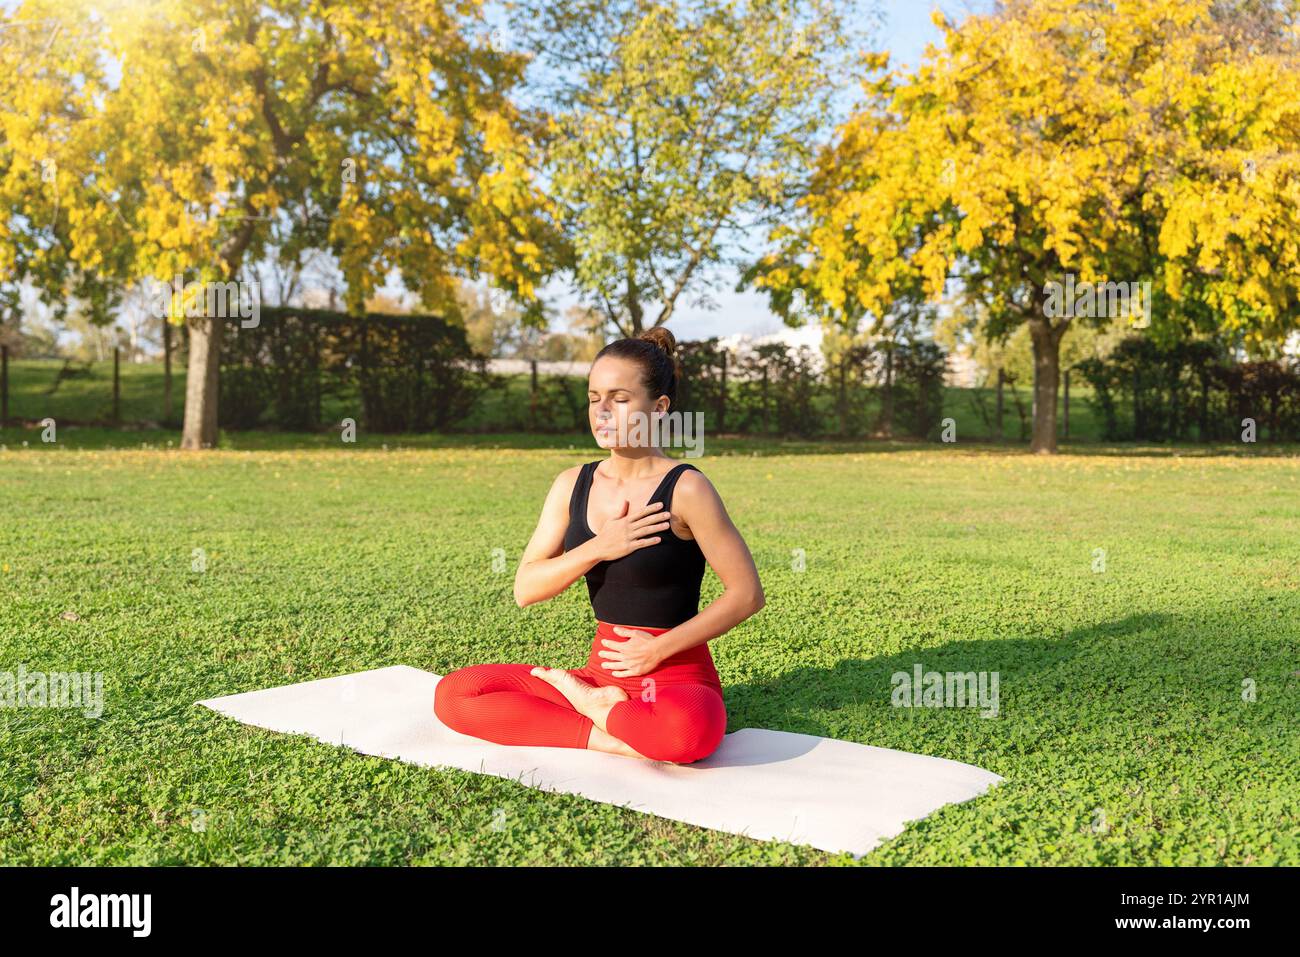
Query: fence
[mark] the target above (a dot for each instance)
(883, 388)
(107, 412)
(392, 373)
(1195, 389)
(307, 370)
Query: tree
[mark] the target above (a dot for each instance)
(494, 328)
(387, 132)
(1144, 140)
(51, 81)
(678, 125)
(960, 332)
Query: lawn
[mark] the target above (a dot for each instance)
(1122, 732)
(37, 391)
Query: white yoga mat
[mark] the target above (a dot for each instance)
(769, 785)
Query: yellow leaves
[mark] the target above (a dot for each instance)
(971, 233)
(185, 141)
(243, 57)
(1176, 232)
(1035, 136)
(500, 199)
(932, 260)
(873, 61)
(527, 250)
(498, 137)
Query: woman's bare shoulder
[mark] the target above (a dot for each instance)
(568, 478)
(695, 486)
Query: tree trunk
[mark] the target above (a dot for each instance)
(1002, 378)
(886, 428)
(532, 397)
(167, 369)
(722, 395)
(204, 335)
(1203, 426)
(1047, 378)
(117, 386)
(844, 411)
(1065, 428)
(1139, 430)
(200, 431)
(634, 305)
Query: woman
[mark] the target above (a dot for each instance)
(649, 688)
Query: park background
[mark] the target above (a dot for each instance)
(445, 210)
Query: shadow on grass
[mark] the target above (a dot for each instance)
(859, 692)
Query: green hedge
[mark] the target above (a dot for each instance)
(1194, 389)
(391, 373)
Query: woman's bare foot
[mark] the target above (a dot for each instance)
(604, 741)
(594, 702)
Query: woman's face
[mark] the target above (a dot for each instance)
(619, 407)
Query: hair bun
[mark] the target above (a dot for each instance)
(661, 337)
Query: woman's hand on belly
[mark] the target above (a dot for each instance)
(637, 655)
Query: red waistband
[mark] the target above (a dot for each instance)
(693, 664)
(606, 628)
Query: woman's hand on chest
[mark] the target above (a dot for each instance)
(631, 530)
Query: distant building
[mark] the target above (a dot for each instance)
(544, 367)
(810, 335)
(963, 372)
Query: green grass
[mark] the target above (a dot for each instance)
(1122, 732)
(88, 396)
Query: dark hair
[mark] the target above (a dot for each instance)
(655, 350)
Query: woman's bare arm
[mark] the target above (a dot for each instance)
(698, 504)
(546, 569)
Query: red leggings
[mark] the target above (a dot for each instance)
(674, 713)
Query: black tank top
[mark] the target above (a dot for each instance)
(657, 586)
